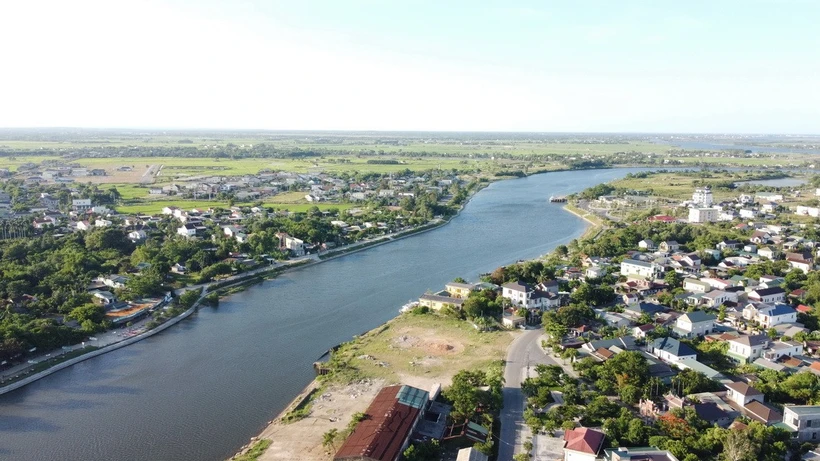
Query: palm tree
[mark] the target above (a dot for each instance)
(329, 439)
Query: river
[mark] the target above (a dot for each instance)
(201, 389)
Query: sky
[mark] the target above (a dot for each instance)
(749, 66)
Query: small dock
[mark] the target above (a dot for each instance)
(558, 199)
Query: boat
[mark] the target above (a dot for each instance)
(558, 198)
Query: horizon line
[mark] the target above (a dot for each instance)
(302, 130)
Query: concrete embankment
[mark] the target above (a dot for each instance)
(103, 350)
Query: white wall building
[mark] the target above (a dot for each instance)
(702, 215)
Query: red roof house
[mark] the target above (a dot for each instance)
(583, 443)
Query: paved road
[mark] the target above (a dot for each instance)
(523, 355)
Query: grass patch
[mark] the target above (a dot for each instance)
(302, 410)
(425, 346)
(255, 451)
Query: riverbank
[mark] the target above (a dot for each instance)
(421, 350)
(596, 224)
(231, 286)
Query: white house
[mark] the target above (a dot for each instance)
(745, 349)
(522, 294)
(81, 204)
(742, 393)
(768, 295)
(671, 350)
(702, 215)
(814, 212)
(187, 230)
(692, 324)
(294, 245)
(804, 420)
(582, 444)
(779, 349)
(640, 268)
(595, 272)
(769, 315)
(646, 244)
(696, 286)
(137, 235)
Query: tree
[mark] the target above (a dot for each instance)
(737, 446)
(673, 279)
(329, 439)
(88, 312)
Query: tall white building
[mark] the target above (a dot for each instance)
(703, 197)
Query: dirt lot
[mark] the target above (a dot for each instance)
(302, 440)
(417, 350)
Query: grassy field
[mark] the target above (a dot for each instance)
(12, 163)
(677, 186)
(492, 147)
(424, 349)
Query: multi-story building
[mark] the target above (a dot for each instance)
(703, 197)
(804, 420)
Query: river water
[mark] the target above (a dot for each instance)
(201, 389)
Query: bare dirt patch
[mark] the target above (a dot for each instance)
(302, 440)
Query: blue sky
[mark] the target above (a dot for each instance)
(637, 66)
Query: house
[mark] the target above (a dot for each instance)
(696, 286)
(81, 205)
(669, 246)
(137, 235)
(712, 414)
(595, 272)
(638, 454)
(780, 349)
(83, 225)
(768, 253)
(187, 230)
(436, 302)
(801, 264)
(804, 420)
(471, 454)
(626, 343)
(512, 321)
(727, 244)
(385, 433)
(745, 349)
(105, 298)
(646, 244)
(460, 290)
(671, 350)
(703, 215)
(178, 269)
(762, 412)
(99, 222)
(768, 295)
(113, 281)
(582, 444)
(770, 315)
(717, 297)
(742, 393)
(630, 298)
(641, 331)
(692, 324)
(522, 294)
(290, 244)
(640, 268)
